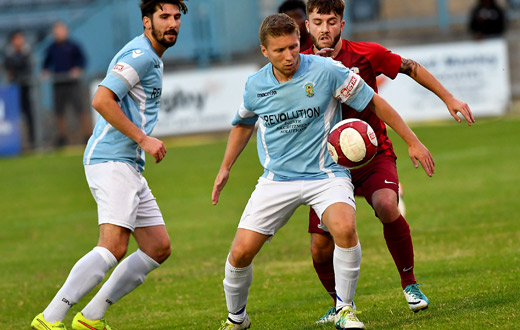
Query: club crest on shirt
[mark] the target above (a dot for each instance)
(309, 89)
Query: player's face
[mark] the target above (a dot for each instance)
(165, 24)
(283, 53)
(325, 29)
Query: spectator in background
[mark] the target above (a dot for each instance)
(296, 9)
(65, 61)
(18, 66)
(487, 20)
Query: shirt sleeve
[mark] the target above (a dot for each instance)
(382, 60)
(244, 115)
(349, 87)
(127, 72)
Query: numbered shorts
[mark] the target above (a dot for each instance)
(380, 173)
(122, 195)
(273, 202)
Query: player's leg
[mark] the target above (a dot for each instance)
(239, 275)
(399, 242)
(333, 201)
(340, 220)
(88, 272)
(269, 208)
(105, 184)
(322, 250)
(381, 190)
(154, 248)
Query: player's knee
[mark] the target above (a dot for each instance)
(241, 257)
(162, 251)
(321, 256)
(164, 254)
(322, 248)
(344, 232)
(118, 251)
(387, 210)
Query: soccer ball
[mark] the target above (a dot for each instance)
(352, 143)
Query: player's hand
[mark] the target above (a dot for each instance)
(220, 183)
(455, 106)
(154, 147)
(418, 152)
(325, 52)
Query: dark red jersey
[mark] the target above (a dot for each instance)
(369, 60)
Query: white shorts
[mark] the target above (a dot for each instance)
(122, 196)
(273, 202)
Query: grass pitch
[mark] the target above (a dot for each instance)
(465, 225)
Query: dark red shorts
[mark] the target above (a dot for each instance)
(380, 173)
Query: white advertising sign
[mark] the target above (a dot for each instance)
(476, 72)
(198, 101)
(201, 100)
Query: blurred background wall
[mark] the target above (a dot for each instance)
(219, 33)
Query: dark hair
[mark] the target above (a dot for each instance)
(289, 5)
(148, 7)
(326, 6)
(277, 25)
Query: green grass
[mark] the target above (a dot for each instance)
(465, 225)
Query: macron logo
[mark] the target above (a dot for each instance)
(136, 53)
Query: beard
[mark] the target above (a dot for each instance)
(159, 37)
(334, 42)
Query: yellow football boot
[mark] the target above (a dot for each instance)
(81, 323)
(39, 323)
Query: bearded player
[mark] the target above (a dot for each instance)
(127, 101)
(378, 181)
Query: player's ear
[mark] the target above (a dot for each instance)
(264, 50)
(147, 22)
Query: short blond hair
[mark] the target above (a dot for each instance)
(277, 25)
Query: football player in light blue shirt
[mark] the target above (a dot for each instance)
(295, 99)
(300, 115)
(127, 101)
(135, 78)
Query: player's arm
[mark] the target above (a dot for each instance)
(105, 102)
(237, 141)
(421, 75)
(416, 150)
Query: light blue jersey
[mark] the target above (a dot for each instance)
(295, 117)
(135, 76)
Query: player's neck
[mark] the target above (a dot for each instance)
(337, 48)
(159, 49)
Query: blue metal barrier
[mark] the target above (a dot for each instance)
(10, 143)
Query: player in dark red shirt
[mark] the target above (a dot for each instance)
(377, 181)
